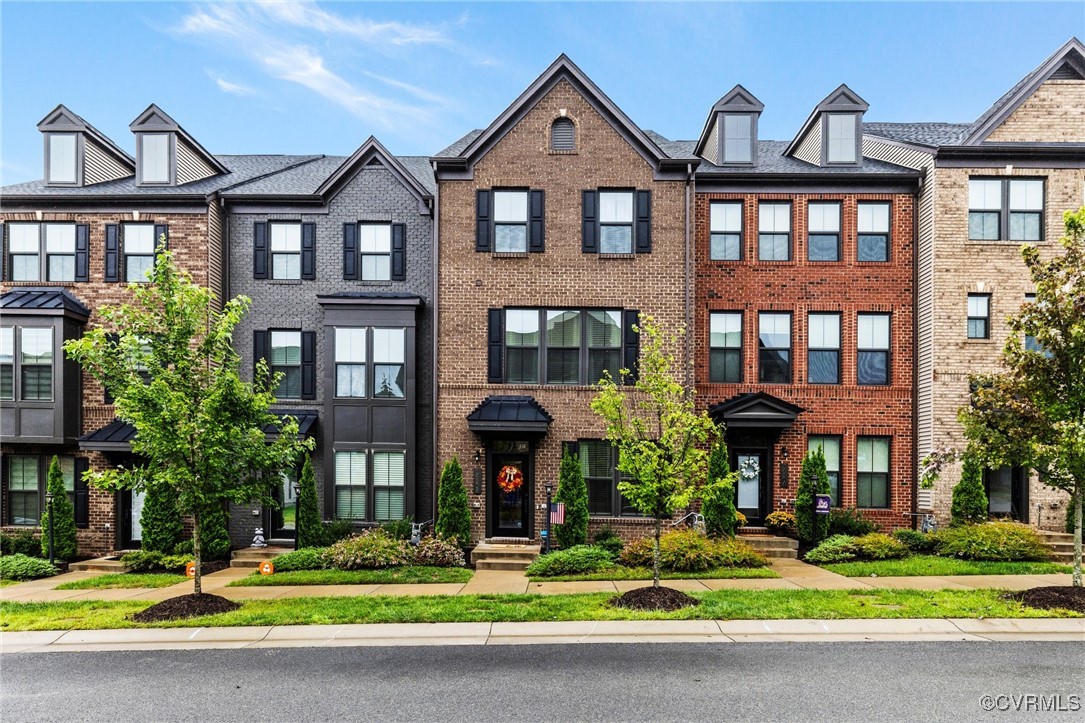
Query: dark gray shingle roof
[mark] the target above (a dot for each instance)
(673, 149)
(458, 147)
(926, 134)
(421, 170)
(300, 180)
(771, 159)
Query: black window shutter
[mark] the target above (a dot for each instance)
(259, 250)
(483, 221)
(573, 448)
(308, 251)
(536, 209)
(496, 337)
(350, 252)
(112, 252)
(82, 252)
(631, 344)
(260, 340)
(82, 493)
(308, 365)
(644, 222)
(590, 240)
(399, 252)
(3, 252)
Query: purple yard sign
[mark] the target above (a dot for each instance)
(821, 504)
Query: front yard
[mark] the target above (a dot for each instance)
(386, 576)
(942, 566)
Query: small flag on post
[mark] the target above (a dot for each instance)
(557, 513)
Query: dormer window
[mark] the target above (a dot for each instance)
(154, 163)
(841, 137)
(62, 158)
(737, 138)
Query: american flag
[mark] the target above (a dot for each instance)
(557, 513)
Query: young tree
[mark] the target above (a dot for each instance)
(969, 498)
(718, 497)
(310, 525)
(661, 440)
(63, 519)
(167, 359)
(1032, 413)
(573, 491)
(160, 523)
(453, 515)
(813, 481)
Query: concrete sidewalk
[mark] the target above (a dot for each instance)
(614, 631)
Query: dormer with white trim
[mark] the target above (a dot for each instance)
(833, 134)
(77, 154)
(729, 137)
(166, 155)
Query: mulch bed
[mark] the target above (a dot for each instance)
(1051, 598)
(185, 606)
(654, 598)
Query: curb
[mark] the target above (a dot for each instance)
(549, 633)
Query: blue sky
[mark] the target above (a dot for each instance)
(308, 77)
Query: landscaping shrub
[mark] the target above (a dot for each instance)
(850, 521)
(306, 558)
(576, 560)
(690, 551)
(309, 527)
(151, 561)
(399, 529)
(969, 498)
(64, 544)
(336, 530)
(813, 480)
(23, 542)
(718, 499)
(160, 520)
(184, 547)
(878, 546)
(917, 542)
(740, 520)
(607, 540)
(573, 491)
(372, 549)
(453, 515)
(996, 541)
(781, 522)
(214, 537)
(24, 567)
(437, 552)
(837, 548)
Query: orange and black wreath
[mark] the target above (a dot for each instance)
(510, 478)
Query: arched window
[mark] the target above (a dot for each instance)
(562, 135)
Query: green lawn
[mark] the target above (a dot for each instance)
(124, 580)
(644, 573)
(716, 605)
(5, 583)
(934, 565)
(357, 577)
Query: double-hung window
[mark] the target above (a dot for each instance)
(286, 250)
(774, 354)
(830, 447)
(7, 363)
(604, 343)
(979, 316)
(350, 360)
(522, 341)
(1005, 208)
(872, 472)
(872, 363)
(351, 470)
(24, 478)
(360, 472)
(737, 138)
(823, 238)
(563, 346)
(599, 463)
(59, 251)
(389, 352)
(36, 364)
(725, 347)
(726, 231)
(823, 349)
(841, 136)
(774, 232)
(510, 221)
(45, 251)
(63, 158)
(286, 359)
(24, 246)
(616, 222)
(139, 243)
(873, 228)
(375, 246)
(155, 158)
(389, 481)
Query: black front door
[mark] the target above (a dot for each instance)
(1007, 492)
(280, 519)
(750, 492)
(510, 491)
(131, 509)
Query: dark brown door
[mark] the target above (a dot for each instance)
(510, 494)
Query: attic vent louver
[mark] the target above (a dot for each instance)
(563, 135)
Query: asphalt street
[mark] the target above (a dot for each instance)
(689, 682)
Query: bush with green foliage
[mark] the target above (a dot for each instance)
(214, 535)
(160, 521)
(305, 558)
(23, 542)
(919, 543)
(371, 550)
(151, 561)
(850, 521)
(24, 567)
(309, 525)
(879, 546)
(573, 491)
(781, 522)
(438, 552)
(836, 548)
(336, 530)
(453, 514)
(606, 539)
(969, 498)
(813, 480)
(691, 551)
(184, 547)
(63, 518)
(718, 497)
(399, 529)
(576, 560)
(1001, 541)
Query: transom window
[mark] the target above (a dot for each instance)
(737, 138)
(139, 243)
(510, 221)
(725, 347)
(774, 232)
(370, 485)
(979, 316)
(830, 447)
(599, 463)
(872, 364)
(872, 472)
(841, 135)
(29, 244)
(286, 358)
(350, 362)
(873, 228)
(823, 239)
(726, 231)
(155, 157)
(1005, 208)
(616, 222)
(774, 354)
(286, 250)
(62, 158)
(823, 352)
(574, 347)
(375, 245)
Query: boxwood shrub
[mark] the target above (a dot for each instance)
(917, 542)
(995, 541)
(307, 558)
(576, 560)
(878, 546)
(691, 551)
(838, 548)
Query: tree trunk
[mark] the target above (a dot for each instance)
(197, 588)
(655, 556)
(1077, 533)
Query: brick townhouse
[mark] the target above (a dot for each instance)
(990, 185)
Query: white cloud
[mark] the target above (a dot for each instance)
(227, 87)
(308, 15)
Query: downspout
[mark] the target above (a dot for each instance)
(915, 350)
(688, 361)
(434, 295)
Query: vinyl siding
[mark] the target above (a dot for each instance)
(99, 166)
(810, 148)
(190, 167)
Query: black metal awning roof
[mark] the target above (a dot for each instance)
(46, 300)
(117, 435)
(755, 409)
(509, 414)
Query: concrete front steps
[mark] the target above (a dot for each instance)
(101, 564)
(770, 545)
(491, 555)
(1061, 545)
(253, 556)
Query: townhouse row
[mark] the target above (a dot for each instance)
(838, 287)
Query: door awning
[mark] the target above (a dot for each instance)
(514, 414)
(117, 435)
(755, 409)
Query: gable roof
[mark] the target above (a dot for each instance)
(922, 134)
(62, 118)
(367, 153)
(154, 119)
(737, 100)
(843, 99)
(1072, 54)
